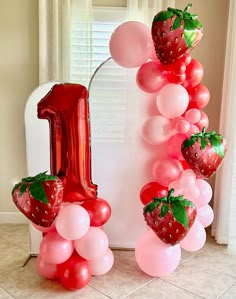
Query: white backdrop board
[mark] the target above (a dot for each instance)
(120, 159)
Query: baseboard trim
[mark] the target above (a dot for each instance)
(12, 217)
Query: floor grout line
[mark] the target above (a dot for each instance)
(139, 288)
(225, 291)
(182, 288)
(99, 291)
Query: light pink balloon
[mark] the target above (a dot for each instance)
(195, 239)
(72, 222)
(156, 130)
(46, 270)
(188, 178)
(154, 257)
(205, 215)
(93, 244)
(178, 190)
(54, 249)
(172, 100)
(174, 146)
(131, 44)
(205, 193)
(191, 192)
(103, 265)
(167, 171)
(150, 77)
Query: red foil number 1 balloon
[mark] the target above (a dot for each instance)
(67, 110)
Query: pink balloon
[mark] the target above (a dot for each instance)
(46, 270)
(188, 178)
(167, 171)
(191, 192)
(103, 265)
(72, 222)
(54, 249)
(93, 244)
(150, 77)
(205, 215)
(205, 193)
(193, 115)
(178, 190)
(172, 100)
(182, 126)
(174, 146)
(194, 73)
(156, 129)
(131, 44)
(203, 122)
(154, 257)
(195, 238)
(193, 130)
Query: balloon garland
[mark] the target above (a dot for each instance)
(176, 202)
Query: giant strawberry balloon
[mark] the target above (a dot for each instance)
(39, 198)
(175, 33)
(204, 152)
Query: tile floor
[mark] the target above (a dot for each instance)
(209, 273)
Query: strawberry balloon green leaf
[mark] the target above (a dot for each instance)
(170, 217)
(39, 198)
(204, 152)
(175, 33)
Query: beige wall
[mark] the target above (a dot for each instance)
(18, 77)
(210, 52)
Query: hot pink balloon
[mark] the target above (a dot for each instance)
(174, 146)
(54, 249)
(156, 130)
(93, 244)
(167, 171)
(205, 215)
(205, 193)
(193, 115)
(150, 77)
(195, 238)
(131, 44)
(154, 257)
(46, 270)
(72, 222)
(172, 100)
(102, 265)
(194, 73)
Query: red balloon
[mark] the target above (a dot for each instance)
(66, 108)
(203, 122)
(99, 211)
(151, 190)
(75, 273)
(150, 77)
(199, 97)
(194, 74)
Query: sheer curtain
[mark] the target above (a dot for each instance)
(144, 10)
(224, 226)
(55, 17)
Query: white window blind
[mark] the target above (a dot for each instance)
(108, 88)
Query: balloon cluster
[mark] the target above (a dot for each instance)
(75, 247)
(180, 98)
